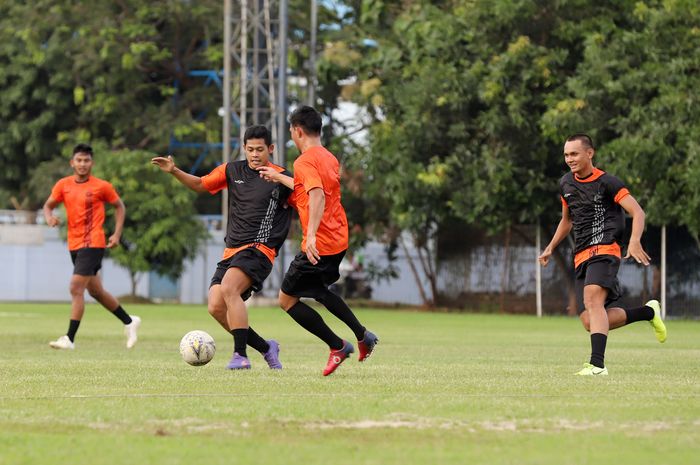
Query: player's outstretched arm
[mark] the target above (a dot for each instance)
(563, 229)
(634, 249)
(49, 205)
(270, 174)
(167, 164)
(119, 217)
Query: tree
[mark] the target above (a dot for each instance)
(161, 228)
(102, 71)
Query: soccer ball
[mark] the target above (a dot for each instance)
(197, 348)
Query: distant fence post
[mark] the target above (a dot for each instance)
(663, 271)
(538, 269)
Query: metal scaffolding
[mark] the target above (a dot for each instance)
(255, 52)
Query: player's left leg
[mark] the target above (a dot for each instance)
(108, 301)
(651, 312)
(233, 285)
(366, 340)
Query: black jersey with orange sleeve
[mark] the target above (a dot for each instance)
(594, 208)
(259, 215)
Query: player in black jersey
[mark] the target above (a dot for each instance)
(592, 204)
(258, 223)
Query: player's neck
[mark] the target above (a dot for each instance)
(585, 173)
(81, 179)
(310, 143)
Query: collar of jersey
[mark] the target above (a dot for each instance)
(594, 175)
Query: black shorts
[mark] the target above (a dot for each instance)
(600, 270)
(252, 262)
(87, 261)
(303, 279)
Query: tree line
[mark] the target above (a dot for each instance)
(465, 102)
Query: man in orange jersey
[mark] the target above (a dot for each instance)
(316, 185)
(83, 196)
(258, 224)
(592, 205)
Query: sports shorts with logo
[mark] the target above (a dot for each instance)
(87, 261)
(601, 270)
(252, 262)
(304, 279)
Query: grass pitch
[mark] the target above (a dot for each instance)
(440, 389)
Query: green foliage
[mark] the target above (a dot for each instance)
(101, 71)
(161, 226)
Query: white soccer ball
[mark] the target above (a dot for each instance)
(197, 348)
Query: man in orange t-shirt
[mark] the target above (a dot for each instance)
(83, 196)
(316, 185)
(257, 226)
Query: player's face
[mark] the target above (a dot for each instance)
(81, 164)
(579, 158)
(257, 152)
(296, 134)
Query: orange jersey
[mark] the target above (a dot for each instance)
(84, 202)
(318, 168)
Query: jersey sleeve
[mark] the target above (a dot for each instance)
(308, 176)
(57, 191)
(616, 188)
(109, 194)
(216, 180)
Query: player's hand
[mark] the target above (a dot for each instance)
(544, 256)
(113, 241)
(53, 221)
(268, 173)
(166, 164)
(311, 250)
(635, 250)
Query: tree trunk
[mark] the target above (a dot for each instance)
(426, 303)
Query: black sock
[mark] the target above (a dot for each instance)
(257, 342)
(122, 315)
(72, 329)
(310, 320)
(340, 309)
(644, 313)
(240, 340)
(598, 342)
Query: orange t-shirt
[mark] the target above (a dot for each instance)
(84, 202)
(318, 168)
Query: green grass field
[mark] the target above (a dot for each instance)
(440, 389)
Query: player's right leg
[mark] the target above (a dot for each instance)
(596, 321)
(234, 283)
(132, 323)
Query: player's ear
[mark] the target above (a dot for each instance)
(271, 149)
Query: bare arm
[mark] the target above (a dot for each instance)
(634, 249)
(317, 203)
(563, 230)
(272, 175)
(168, 165)
(49, 205)
(119, 217)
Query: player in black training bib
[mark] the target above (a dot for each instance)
(592, 204)
(258, 223)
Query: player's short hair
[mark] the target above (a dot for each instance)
(257, 132)
(585, 139)
(308, 119)
(82, 148)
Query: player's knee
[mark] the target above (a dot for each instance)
(94, 292)
(76, 289)
(585, 320)
(230, 290)
(286, 301)
(215, 310)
